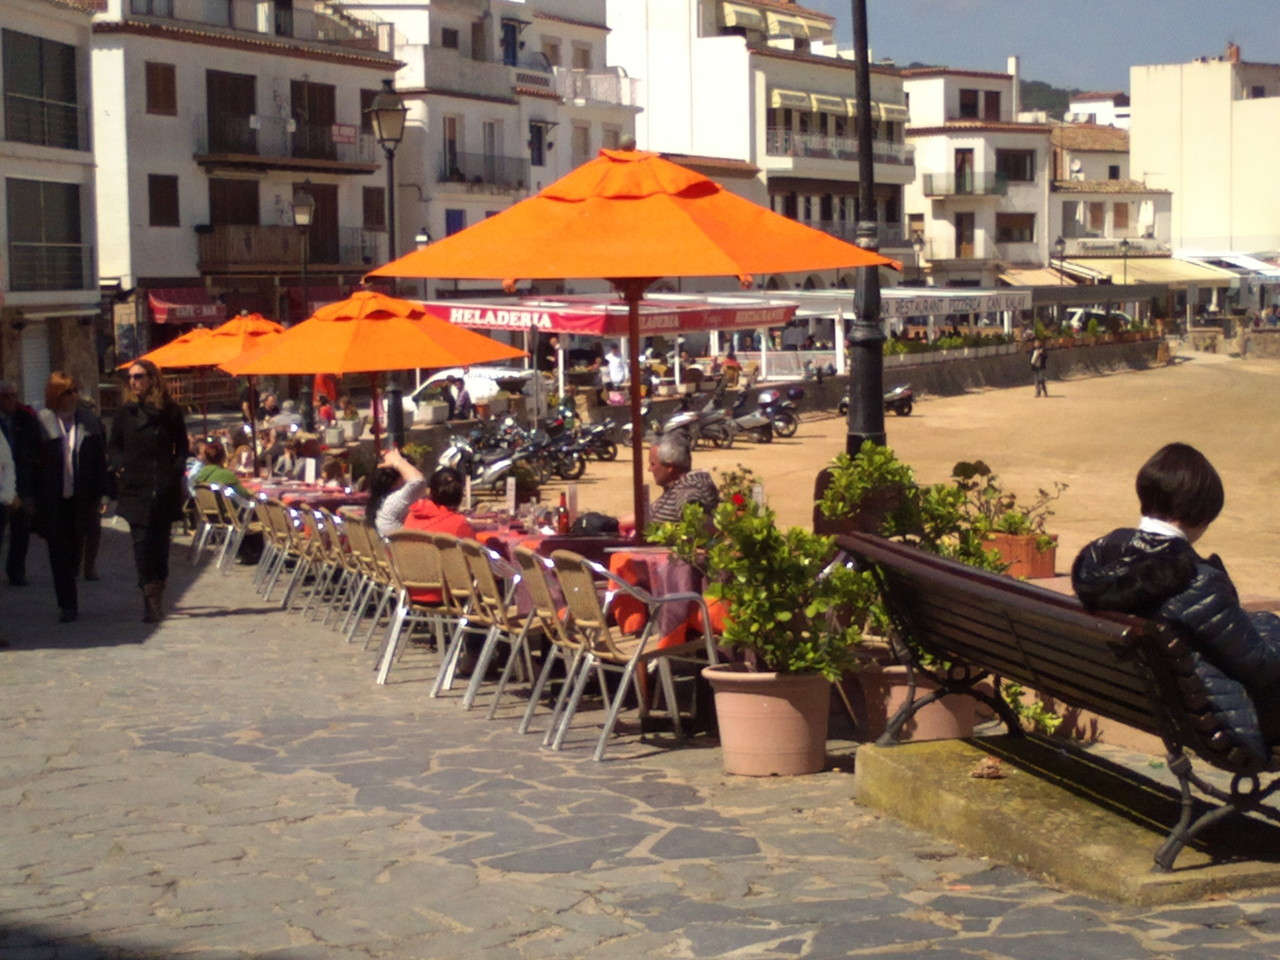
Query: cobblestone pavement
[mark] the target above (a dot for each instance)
(232, 784)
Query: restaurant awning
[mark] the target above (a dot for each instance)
(1034, 277)
(892, 111)
(1165, 270)
(184, 305)
(740, 15)
(793, 99)
(826, 103)
(781, 25)
(607, 316)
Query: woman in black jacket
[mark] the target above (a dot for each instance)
(71, 481)
(1155, 572)
(149, 453)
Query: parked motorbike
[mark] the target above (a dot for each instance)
(750, 421)
(781, 409)
(900, 400)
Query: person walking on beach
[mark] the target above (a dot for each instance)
(1039, 360)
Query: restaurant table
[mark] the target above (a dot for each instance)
(656, 571)
(295, 493)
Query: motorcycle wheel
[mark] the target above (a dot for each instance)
(785, 424)
(902, 409)
(720, 439)
(571, 466)
(605, 450)
(541, 468)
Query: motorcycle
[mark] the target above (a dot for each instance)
(900, 400)
(752, 422)
(781, 410)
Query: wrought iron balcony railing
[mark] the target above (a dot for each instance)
(965, 185)
(50, 266)
(483, 169)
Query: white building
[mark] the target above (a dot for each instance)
(48, 278)
(504, 98)
(208, 119)
(1206, 131)
(981, 202)
(759, 85)
(1110, 109)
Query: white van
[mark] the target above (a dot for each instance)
(1078, 319)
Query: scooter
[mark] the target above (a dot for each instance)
(900, 400)
(781, 410)
(751, 422)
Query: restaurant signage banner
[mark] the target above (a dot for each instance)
(609, 318)
(942, 305)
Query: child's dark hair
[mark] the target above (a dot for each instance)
(447, 487)
(381, 482)
(1179, 484)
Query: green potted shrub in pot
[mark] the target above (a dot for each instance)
(790, 615)
(1013, 529)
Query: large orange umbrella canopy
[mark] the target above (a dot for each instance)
(629, 213)
(370, 332)
(208, 348)
(179, 352)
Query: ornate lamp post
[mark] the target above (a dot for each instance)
(1060, 253)
(386, 116)
(304, 209)
(917, 244)
(866, 336)
(1124, 253)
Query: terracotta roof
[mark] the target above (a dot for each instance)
(279, 48)
(1104, 186)
(1090, 136)
(913, 72)
(979, 126)
(540, 92)
(1119, 97)
(725, 165)
(539, 15)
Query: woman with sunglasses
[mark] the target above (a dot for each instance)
(149, 453)
(72, 480)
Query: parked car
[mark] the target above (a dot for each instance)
(482, 382)
(1078, 319)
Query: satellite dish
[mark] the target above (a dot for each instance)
(1076, 165)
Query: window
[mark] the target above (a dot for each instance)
(314, 114)
(510, 42)
(1120, 217)
(1015, 228)
(45, 252)
(581, 144)
(162, 199)
(1257, 93)
(551, 50)
(610, 137)
(479, 40)
(537, 144)
(41, 103)
(233, 202)
(581, 57)
(455, 221)
(1097, 218)
(452, 158)
(232, 101)
(366, 102)
(152, 8)
(449, 38)
(1113, 171)
(969, 104)
(375, 208)
(991, 105)
(1017, 166)
(162, 89)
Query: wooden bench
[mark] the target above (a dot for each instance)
(1134, 671)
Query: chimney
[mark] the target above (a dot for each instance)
(1015, 70)
(1233, 53)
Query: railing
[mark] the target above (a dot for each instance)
(50, 266)
(46, 123)
(597, 87)
(887, 234)
(313, 20)
(511, 173)
(264, 136)
(238, 247)
(965, 185)
(785, 143)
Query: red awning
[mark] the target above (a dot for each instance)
(607, 316)
(184, 305)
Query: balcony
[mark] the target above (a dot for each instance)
(888, 234)
(50, 266)
(965, 185)
(340, 148)
(602, 88)
(785, 143)
(307, 20)
(447, 71)
(45, 123)
(483, 170)
(236, 248)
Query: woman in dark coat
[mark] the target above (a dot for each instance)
(149, 453)
(71, 481)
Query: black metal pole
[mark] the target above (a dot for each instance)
(866, 336)
(391, 202)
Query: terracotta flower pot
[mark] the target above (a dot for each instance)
(884, 690)
(770, 724)
(1024, 557)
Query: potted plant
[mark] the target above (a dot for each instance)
(1014, 530)
(791, 617)
(352, 425)
(433, 411)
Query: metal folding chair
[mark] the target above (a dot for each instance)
(415, 566)
(495, 607)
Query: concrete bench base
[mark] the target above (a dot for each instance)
(1077, 819)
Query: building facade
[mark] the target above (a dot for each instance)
(209, 119)
(762, 85)
(48, 273)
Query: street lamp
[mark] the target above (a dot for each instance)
(1124, 253)
(1060, 252)
(386, 116)
(304, 209)
(917, 244)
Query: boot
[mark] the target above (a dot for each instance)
(153, 602)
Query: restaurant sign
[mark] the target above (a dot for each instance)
(942, 305)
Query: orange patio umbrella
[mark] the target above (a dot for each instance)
(631, 217)
(370, 332)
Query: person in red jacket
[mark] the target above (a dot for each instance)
(438, 513)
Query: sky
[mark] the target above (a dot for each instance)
(1080, 44)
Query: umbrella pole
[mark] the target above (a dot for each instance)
(633, 290)
(377, 431)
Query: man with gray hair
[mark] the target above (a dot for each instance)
(671, 463)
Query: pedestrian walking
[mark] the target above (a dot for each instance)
(20, 427)
(149, 453)
(1039, 360)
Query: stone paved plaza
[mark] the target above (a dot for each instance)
(232, 784)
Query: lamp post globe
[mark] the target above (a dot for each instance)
(387, 115)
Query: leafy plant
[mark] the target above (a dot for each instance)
(1092, 328)
(992, 509)
(788, 606)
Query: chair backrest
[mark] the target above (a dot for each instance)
(313, 542)
(586, 614)
(535, 574)
(209, 506)
(415, 559)
(335, 535)
(492, 598)
(457, 573)
(361, 550)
